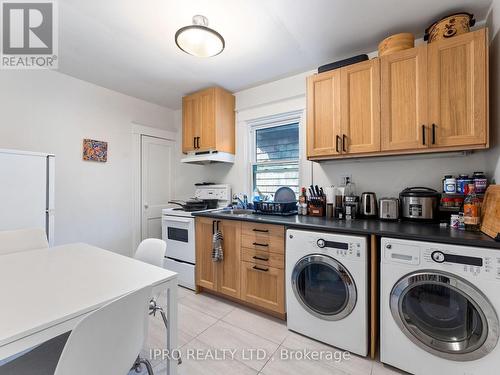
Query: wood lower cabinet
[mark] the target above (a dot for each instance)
(263, 286)
(228, 271)
(253, 268)
(205, 267)
(458, 94)
(404, 100)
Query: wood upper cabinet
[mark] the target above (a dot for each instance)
(458, 102)
(208, 121)
(205, 267)
(360, 107)
(426, 99)
(228, 271)
(323, 114)
(404, 100)
(190, 122)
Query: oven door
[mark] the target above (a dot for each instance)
(324, 287)
(445, 315)
(178, 233)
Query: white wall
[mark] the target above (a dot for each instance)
(50, 112)
(385, 176)
(493, 22)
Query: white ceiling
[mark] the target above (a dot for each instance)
(128, 45)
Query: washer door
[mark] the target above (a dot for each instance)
(445, 315)
(324, 287)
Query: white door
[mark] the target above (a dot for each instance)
(23, 190)
(156, 186)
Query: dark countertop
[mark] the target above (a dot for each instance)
(396, 229)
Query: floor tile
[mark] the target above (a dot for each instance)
(200, 359)
(381, 369)
(284, 365)
(225, 336)
(208, 304)
(348, 362)
(192, 321)
(258, 323)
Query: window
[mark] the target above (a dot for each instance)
(276, 158)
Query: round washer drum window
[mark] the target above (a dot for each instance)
(445, 315)
(324, 287)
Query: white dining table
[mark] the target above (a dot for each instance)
(47, 292)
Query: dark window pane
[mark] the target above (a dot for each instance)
(274, 145)
(277, 143)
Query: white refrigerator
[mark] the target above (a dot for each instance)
(27, 191)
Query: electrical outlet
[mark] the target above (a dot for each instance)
(344, 177)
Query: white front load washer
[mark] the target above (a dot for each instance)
(327, 288)
(439, 306)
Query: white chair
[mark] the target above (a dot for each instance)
(105, 342)
(109, 340)
(12, 241)
(152, 251)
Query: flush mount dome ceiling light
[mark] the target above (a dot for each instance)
(198, 39)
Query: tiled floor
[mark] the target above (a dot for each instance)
(208, 325)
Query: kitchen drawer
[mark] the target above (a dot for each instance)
(263, 286)
(263, 257)
(263, 230)
(263, 243)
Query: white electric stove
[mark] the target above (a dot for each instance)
(178, 231)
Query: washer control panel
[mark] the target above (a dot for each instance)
(336, 245)
(461, 260)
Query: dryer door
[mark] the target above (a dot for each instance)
(445, 315)
(324, 287)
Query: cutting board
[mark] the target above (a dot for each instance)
(490, 213)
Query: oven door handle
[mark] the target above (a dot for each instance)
(176, 220)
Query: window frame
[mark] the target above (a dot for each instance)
(267, 123)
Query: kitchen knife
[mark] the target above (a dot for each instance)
(317, 190)
(312, 191)
(322, 193)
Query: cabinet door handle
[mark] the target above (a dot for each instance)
(213, 227)
(260, 244)
(344, 142)
(261, 258)
(194, 142)
(260, 269)
(337, 139)
(261, 230)
(433, 134)
(197, 142)
(423, 135)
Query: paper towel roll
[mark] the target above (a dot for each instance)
(330, 194)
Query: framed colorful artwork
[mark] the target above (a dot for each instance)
(95, 150)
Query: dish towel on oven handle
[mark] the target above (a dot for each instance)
(217, 252)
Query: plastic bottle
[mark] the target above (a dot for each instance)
(472, 210)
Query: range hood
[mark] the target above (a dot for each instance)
(208, 157)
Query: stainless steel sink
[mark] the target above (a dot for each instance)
(236, 211)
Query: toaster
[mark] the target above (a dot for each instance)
(388, 209)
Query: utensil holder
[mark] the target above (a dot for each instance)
(316, 206)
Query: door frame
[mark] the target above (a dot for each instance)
(138, 131)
